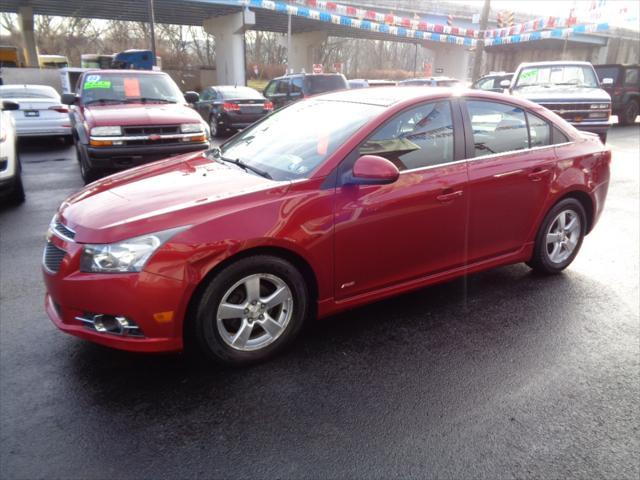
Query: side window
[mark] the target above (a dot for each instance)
(539, 131)
(631, 77)
(297, 85)
(497, 127)
(283, 86)
(558, 136)
(486, 84)
(271, 88)
(419, 137)
(206, 95)
(214, 94)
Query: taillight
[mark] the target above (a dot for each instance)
(231, 107)
(60, 108)
(268, 105)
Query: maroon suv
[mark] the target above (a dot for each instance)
(624, 88)
(125, 118)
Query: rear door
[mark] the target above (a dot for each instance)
(416, 226)
(511, 162)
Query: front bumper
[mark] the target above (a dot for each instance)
(155, 303)
(117, 158)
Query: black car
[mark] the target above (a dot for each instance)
(284, 90)
(493, 82)
(230, 108)
(624, 88)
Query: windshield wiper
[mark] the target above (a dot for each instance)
(217, 154)
(148, 100)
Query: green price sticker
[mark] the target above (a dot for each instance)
(97, 84)
(529, 74)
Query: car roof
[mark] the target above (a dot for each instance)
(309, 75)
(127, 71)
(555, 62)
(387, 97)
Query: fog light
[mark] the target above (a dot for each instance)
(111, 324)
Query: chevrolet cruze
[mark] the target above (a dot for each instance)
(333, 202)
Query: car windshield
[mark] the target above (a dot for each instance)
(551, 75)
(290, 143)
(233, 93)
(129, 87)
(22, 92)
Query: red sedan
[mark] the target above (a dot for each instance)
(328, 204)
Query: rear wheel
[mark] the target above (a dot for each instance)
(17, 190)
(560, 237)
(251, 310)
(213, 127)
(629, 113)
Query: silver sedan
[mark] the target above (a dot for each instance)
(41, 112)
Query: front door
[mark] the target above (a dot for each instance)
(385, 234)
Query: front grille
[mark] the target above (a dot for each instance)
(52, 257)
(64, 231)
(160, 141)
(151, 130)
(567, 106)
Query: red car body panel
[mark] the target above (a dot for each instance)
(358, 243)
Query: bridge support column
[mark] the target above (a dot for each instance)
(30, 52)
(229, 31)
(305, 49)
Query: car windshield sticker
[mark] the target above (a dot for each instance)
(93, 81)
(131, 87)
(528, 74)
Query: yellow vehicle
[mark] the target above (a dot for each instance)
(9, 56)
(53, 61)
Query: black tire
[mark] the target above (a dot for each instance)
(88, 173)
(17, 196)
(213, 127)
(540, 261)
(203, 330)
(629, 113)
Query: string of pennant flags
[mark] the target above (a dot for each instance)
(369, 20)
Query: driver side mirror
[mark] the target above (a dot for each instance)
(607, 81)
(191, 97)
(373, 170)
(69, 98)
(505, 83)
(8, 105)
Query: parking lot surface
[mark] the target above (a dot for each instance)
(502, 374)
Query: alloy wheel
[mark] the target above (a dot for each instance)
(254, 312)
(563, 236)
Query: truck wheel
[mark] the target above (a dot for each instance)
(17, 192)
(88, 173)
(629, 113)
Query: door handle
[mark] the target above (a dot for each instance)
(448, 194)
(537, 174)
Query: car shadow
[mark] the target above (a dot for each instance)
(439, 331)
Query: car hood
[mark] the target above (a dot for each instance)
(564, 94)
(140, 114)
(184, 190)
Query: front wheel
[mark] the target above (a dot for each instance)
(213, 127)
(560, 237)
(629, 113)
(88, 173)
(251, 310)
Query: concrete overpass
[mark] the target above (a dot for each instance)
(309, 22)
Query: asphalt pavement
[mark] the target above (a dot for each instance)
(503, 374)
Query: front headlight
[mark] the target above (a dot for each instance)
(126, 256)
(191, 128)
(106, 131)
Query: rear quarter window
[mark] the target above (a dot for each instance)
(607, 72)
(322, 83)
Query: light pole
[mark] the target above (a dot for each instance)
(152, 25)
